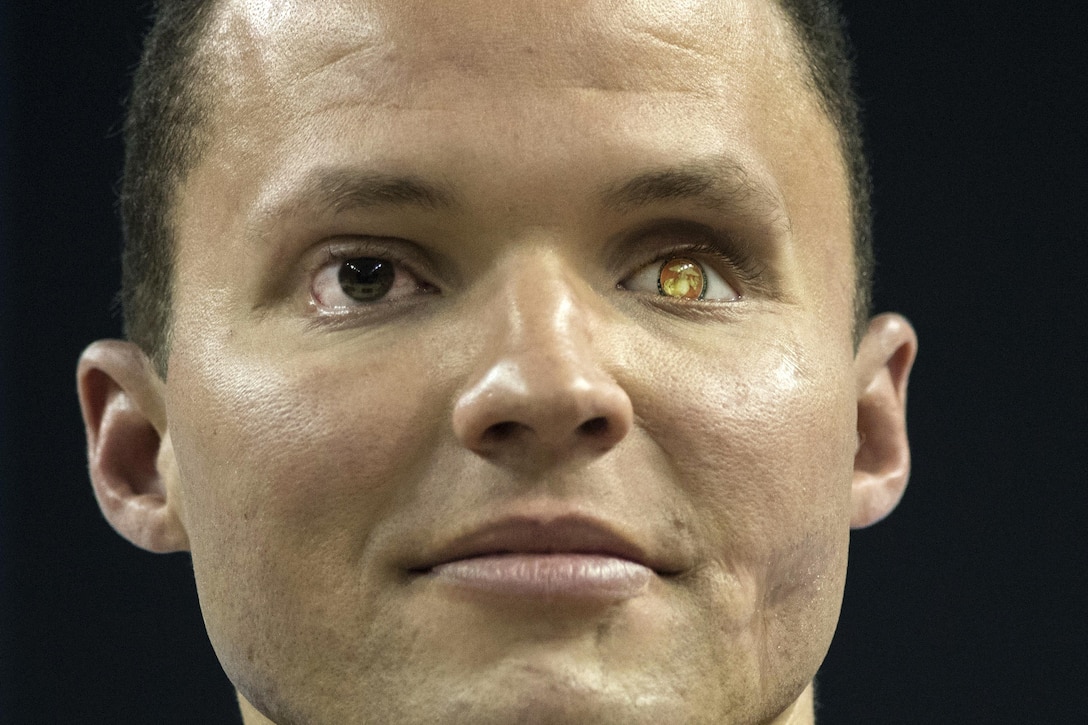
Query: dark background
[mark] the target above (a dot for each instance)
(969, 604)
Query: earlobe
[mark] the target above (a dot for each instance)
(882, 462)
(129, 454)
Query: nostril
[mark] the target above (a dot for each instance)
(594, 427)
(507, 430)
(501, 432)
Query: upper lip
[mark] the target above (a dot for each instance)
(539, 535)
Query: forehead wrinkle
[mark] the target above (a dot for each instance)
(594, 45)
(386, 52)
(257, 46)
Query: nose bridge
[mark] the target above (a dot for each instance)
(540, 383)
(544, 328)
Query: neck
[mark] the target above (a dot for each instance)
(250, 714)
(801, 712)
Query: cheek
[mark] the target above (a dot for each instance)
(284, 477)
(761, 437)
(254, 442)
(764, 436)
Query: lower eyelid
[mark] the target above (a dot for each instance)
(325, 285)
(649, 276)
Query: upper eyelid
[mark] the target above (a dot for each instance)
(409, 255)
(341, 250)
(339, 254)
(662, 235)
(740, 269)
(337, 251)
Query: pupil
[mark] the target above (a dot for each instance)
(366, 279)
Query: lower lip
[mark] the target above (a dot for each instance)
(549, 576)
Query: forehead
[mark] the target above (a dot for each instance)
(626, 76)
(399, 46)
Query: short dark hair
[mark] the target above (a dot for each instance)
(821, 30)
(168, 112)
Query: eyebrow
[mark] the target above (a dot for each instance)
(338, 190)
(720, 187)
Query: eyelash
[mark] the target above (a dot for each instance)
(736, 264)
(339, 253)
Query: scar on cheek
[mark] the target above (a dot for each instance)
(683, 278)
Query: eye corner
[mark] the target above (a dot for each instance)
(682, 277)
(363, 278)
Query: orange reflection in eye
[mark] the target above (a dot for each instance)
(683, 278)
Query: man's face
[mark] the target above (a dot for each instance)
(445, 450)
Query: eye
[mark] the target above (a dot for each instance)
(681, 278)
(361, 280)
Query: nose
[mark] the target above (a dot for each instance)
(540, 390)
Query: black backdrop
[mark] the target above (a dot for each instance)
(968, 605)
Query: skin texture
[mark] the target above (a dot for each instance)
(312, 457)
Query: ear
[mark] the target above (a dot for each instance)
(129, 454)
(882, 461)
